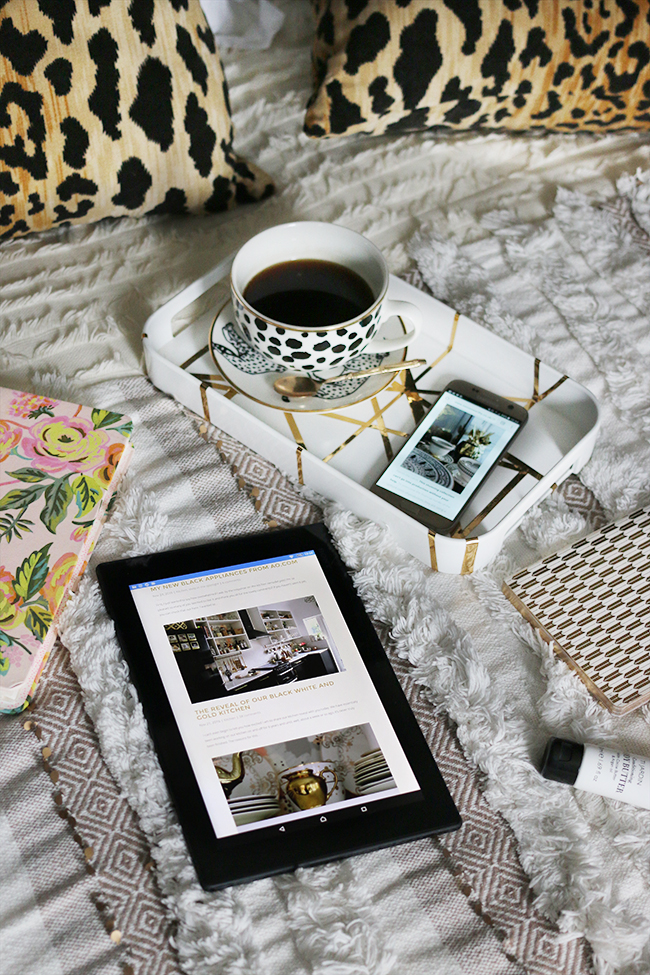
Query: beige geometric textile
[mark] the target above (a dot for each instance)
(483, 853)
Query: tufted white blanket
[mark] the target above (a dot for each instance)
(545, 241)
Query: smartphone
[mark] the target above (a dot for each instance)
(448, 456)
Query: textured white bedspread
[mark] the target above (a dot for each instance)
(499, 232)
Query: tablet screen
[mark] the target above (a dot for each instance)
(278, 714)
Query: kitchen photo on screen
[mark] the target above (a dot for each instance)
(452, 450)
(253, 648)
(303, 775)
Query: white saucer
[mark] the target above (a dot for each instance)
(255, 807)
(372, 758)
(245, 818)
(252, 801)
(383, 786)
(253, 375)
(241, 801)
(371, 776)
(370, 769)
(423, 464)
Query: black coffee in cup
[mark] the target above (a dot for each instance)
(309, 293)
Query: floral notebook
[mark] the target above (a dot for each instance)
(60, 464)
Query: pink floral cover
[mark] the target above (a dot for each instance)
(59, 466)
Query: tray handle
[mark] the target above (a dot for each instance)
(158, 327)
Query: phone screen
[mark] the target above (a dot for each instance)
(449, 454)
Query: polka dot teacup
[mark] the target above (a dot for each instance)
(304, 347)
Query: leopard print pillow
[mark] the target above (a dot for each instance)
(113, 108)
(398, 65)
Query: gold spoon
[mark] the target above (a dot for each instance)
(307, 386)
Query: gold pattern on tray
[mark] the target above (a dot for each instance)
(471, 551)
(537, 397)
(193, 358)
(432, 551)
(591, 603)
(514, 464)
(293, 426)
(297, 436)
(215, 380)
(299, 450)
(381, 426)
(204, 401)
(406, 385)
(375, 426)
(414, 399)
(363, 425)
(227, 391)
(497, 499)
(511, 463)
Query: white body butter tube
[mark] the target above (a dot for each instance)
(594, 768)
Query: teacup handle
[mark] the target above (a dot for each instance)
(404, 309)
(336, 780)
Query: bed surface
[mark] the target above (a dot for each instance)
(544, 239)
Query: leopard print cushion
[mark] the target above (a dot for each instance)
(398, 65)
(113, 108)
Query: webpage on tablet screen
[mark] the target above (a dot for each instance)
(277, 711)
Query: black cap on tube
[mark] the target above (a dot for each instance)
(562, 760)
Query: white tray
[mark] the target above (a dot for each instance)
(342, 452)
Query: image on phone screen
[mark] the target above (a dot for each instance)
(450, 454)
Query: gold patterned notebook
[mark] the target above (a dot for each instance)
(591, 602)
(60, 464)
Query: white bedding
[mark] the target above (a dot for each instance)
(72, 306)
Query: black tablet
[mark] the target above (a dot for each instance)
(283, 734)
